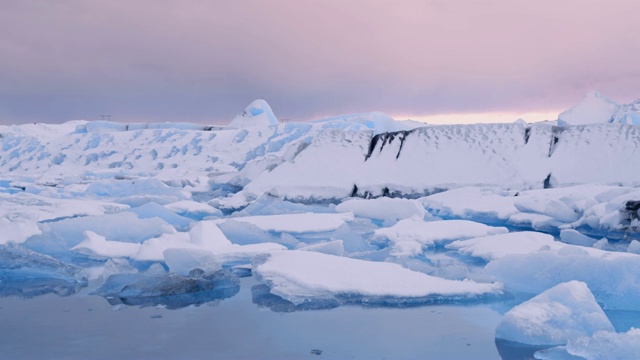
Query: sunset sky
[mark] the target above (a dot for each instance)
(204, 61)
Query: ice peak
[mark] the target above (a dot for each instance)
(594, 108)
(257, 113)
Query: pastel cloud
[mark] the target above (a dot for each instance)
(205, 60)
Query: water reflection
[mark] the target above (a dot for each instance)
(262, 296)
(510, 350)
(27, 273)
(172, 291)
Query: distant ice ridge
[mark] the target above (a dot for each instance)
(596, 108)
(414, 163)
(326, 160)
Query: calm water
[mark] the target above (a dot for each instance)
(87, 327)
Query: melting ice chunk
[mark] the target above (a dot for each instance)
(182, 261)
(27, 273)
(566, 311)
(171, 290)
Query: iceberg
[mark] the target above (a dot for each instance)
(258, 113)
(566, 311)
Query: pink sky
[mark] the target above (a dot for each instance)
(206, 60)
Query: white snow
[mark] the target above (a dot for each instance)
(302, 275)
(564, 312)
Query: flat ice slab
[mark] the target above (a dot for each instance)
(300, 276)
(298, 223)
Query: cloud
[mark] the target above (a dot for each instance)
(205, 60)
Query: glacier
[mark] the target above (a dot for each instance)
(348, 210)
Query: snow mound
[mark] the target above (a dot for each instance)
(258, 113)
(299, 276)
(564, 312)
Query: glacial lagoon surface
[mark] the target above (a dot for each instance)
(84, 326)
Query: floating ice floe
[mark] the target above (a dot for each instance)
(298, 223)
(385, 209)
(597, 209)
(566, 311)
(305, 276)
(193, 209)
(410, 235)
(605, 272)
(204, 241)
(498, 246)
